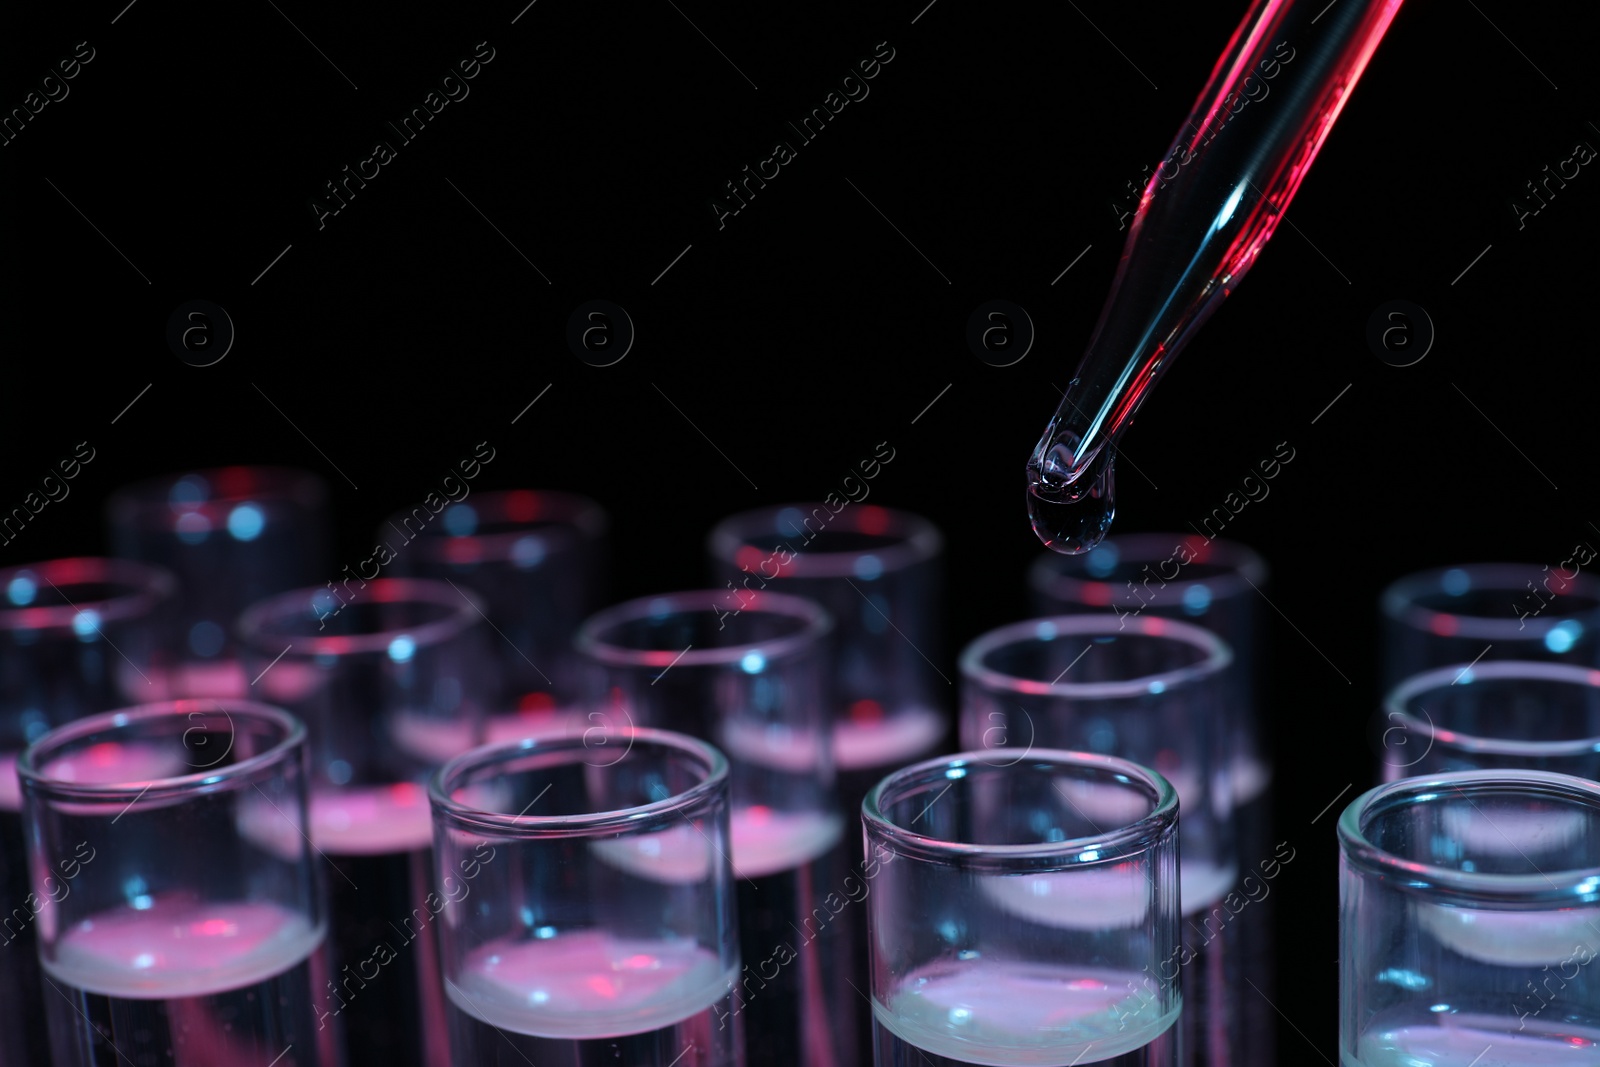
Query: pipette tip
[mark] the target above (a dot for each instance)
(1072, 517)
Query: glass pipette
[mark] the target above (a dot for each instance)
(1206, 212)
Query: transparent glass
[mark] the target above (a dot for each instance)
(178, 903)
(73, 633)
(390, 685)
(536, 560)
(1154, 691)
(232, 536)
(1504, 714)
(1202, 219)
(588, 916)
(877, 572)
(756, 683)
(1213, 584)
(1024, 911)
(77, 636)
(1216, 585)
(1149, 690)
(1469, 914)
(1489, 611)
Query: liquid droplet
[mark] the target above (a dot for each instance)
(1072, 519)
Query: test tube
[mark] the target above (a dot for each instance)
(589, 913)
(1468, 919)
(71, 630)
(390, 685)
(1505, 714)
(1154, 691)
(755, 683)
(1024, 911)
(877, 572)
(536, 560)
(1216, 585)
(1490, 611)
(1213, 584)
(232, 536)
(168, 932)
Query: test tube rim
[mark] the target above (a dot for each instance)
(817, 624)
(1579, 885)
(464, 607)
(207, 780)
(1218, 656)
(640, 818)
(1462, 673)
(149, 586)
(1246, 567)
(1398, 603)
(583, 518)
(146, 504)
(1132, 839)
(918, 541)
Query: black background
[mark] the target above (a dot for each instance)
(409, 328)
